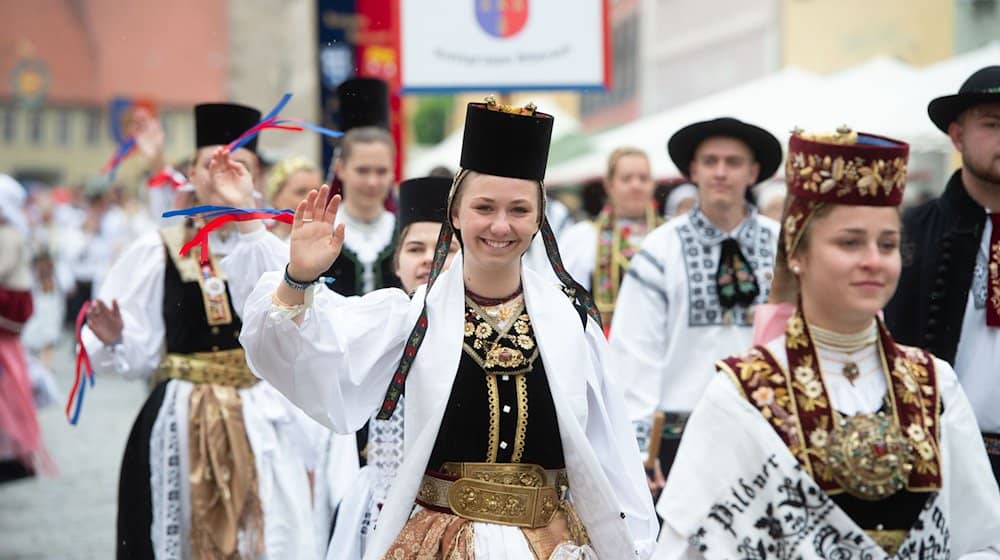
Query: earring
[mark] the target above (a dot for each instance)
(796, 270)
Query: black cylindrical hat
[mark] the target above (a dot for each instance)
(424, 199)
(363, 102)
(217, 124)
(506, 142)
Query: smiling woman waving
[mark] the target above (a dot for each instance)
(517, 444)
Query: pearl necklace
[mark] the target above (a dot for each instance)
(850, 344)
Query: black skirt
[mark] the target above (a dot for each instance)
(135, 499)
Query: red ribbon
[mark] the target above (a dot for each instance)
(83, 366)
(168, 175)
(201, 237)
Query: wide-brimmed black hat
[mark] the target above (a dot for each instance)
(217, 124)
(363, 102)
(981, 87)
(423, 199)
(506, 141)
(766, 148)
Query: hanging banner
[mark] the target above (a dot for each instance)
(336, 29)
(378, 57)
(461, 45)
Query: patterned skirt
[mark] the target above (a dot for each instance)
(431, 535)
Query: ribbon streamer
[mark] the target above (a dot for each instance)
(84, 370)
(271, 121)
(167, 176)
(124, 149)
(219, 216)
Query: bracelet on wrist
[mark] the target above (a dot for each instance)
(296, 284)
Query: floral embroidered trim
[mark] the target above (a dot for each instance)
(845, 177)
(993, 272)
(799, 212)
(504, 349)
(796, 403)
(614, 252)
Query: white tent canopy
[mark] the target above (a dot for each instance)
(883, 96)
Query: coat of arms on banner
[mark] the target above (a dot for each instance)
(502, 18)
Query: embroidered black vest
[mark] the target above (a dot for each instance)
(184, 316)
(347, 272)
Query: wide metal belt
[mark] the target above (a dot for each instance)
(517, 494)
(224, 367)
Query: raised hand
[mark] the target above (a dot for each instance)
(148, 133)
(105, 322)
(231, 181)
(316, 240)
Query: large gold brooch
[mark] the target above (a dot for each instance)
(869, 456)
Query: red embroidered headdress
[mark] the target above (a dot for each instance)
(846, 167)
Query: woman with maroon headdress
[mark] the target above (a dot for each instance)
(831, 440)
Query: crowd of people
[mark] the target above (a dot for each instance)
(741, 368)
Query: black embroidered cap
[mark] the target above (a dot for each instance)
(217, 124)
(765, 147)
(506, 141)
(983, 86)
(424, 199)
(363, 102)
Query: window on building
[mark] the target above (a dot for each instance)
(93, 126)
(64, 133)
(9, 124)
(36, 127)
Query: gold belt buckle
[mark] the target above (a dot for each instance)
(520, 506)
(508, 474)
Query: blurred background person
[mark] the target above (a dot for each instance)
(20, 436)
(680, 200)
(288, 183)
(771, 200)
(597, 253)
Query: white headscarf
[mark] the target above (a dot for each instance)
(12, 197)
(769, 191)
(679, 194)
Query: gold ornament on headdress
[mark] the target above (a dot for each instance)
(843, 135)
(527, 110)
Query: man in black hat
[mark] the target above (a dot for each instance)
(690, 291)
(948, 299)
(175, 319)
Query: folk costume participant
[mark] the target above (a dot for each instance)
(690, 292)
(949, 293)
(506, 393)
(364, 167)
(21, 447)
(840, 442)
(598, 252)
(211, 468)
(423, 208)
(289, 183)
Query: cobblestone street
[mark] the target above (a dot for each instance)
(72, 516)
